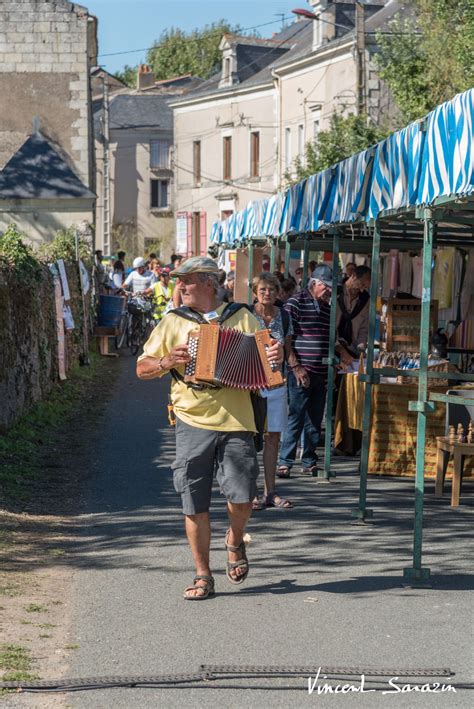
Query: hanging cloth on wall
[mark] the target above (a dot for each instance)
(467, 292)
(417, 270)
(406, 272)
(443, 277)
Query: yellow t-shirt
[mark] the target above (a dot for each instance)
(213, 409)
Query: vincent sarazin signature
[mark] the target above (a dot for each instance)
(318, 686)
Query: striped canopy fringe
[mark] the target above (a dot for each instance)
(448, 158)
(396, 174)
(414, 166)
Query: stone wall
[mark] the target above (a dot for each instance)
(46, 50)
(29, 342)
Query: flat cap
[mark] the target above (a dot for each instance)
(323, 273)
(196, 264)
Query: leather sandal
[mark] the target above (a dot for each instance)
(242, 563)
(283, 471)
(275, 500)
(207, 589)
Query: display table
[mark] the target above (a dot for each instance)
(392, 448)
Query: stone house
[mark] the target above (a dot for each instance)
(239, 134)
(46, 52)
(138, 144)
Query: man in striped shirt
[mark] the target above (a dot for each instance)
(307, 375)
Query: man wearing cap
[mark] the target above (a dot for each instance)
(307, 375)
(214, 427)
(137, 280)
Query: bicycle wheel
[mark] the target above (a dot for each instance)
(135, 334)
(122, 337)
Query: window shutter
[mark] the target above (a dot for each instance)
(202, 234)
(189, 234)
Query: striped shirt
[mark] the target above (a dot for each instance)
(310, 320)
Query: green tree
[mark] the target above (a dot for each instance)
(196, 52)
(128, 75)
(344, 137)
(428, 58)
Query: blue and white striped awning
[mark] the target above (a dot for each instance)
(216, 233)
(448, 157)
(396, 173)
(292, 206)
(272, 216)
(254, 214)
(351, 189)
(414, 166)
(315, 201)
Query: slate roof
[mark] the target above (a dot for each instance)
(38, 171)
(136, 111)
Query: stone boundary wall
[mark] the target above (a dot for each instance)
(29, 341)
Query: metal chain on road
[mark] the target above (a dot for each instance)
(212, 672)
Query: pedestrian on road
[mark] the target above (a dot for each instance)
(214, 426)
(266, 287)
(307, 376)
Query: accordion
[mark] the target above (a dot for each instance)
(223, 356)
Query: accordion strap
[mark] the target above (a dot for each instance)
(188, 313)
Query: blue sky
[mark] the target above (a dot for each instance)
(135, 24)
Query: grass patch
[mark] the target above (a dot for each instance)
(20, 447)
(72, 646)
(11, 589)
(14, 657)
(45, 635)
(35, 608)
(47, 626)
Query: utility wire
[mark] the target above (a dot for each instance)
(190, 39)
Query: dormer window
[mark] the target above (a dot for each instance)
(229, 62)
(227, 70)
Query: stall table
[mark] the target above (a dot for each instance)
(392, 443)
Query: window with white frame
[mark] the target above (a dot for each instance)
(287, 148)
(301, 142)
(159, 194)
(255, 154)
(316, 123)
(160, 154)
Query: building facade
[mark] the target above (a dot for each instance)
(135, 202)
(46, 52)
(237, 136)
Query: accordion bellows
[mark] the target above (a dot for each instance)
(229, 358)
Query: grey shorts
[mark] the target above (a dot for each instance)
(199, 452)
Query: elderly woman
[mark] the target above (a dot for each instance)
(266, 288)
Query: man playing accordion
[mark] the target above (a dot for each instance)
(215, 426)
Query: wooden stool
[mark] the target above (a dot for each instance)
(458, 451)
(103, 334)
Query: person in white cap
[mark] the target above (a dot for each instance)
(137, 281)
(215, 427)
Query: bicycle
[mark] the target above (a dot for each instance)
(137, 323)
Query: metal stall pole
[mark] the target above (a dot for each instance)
(422, 406)
(304, 281)
(287, 257)
(325, 474)
(369, 378)
(250, 292)
(273, 252)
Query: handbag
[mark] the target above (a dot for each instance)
(259, 405)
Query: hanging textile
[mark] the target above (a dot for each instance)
(405, 272)
(467, 292)
(443, 277)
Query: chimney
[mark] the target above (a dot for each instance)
(145, 77)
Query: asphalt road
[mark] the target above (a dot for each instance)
(321, 592)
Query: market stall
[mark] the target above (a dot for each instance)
(411, 194)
